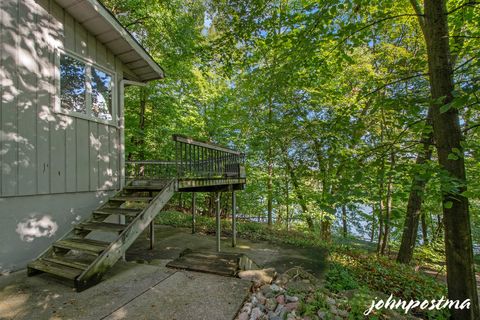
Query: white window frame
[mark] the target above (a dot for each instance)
(89, 64)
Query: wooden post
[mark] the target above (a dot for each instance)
(217, 211)
(234, 222)
(152, 234)
(194, 209)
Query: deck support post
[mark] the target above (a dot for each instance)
(234, 219)
(217, 212)
(194, 209)
(152, 234)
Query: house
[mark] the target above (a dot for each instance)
(64, 65)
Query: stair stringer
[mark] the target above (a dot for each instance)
(93, 274)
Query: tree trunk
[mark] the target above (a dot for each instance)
(410, 228)
(301, 198)
(448, 137)
(344, 221)
(288, 206)
(325, 229)
(269, 191)
(372, 235)
(388, 212)
(424, 229)
(380, 223)
(381, 205)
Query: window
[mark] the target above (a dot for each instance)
(101, 94)
(85, 90)
(72, 84)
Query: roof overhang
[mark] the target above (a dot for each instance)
(101, 23)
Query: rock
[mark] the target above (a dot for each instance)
(331, 301)
(254, 300)
(333, 309)
(322, 314)
(266, 291)
(270, 304)
(281, 299)
(261, 299)
(300, 286)
(243, 316)
(291, 316)
(256, 314)
(283, 279)
(276, 288)
(279, 308)
(342, 313)
(291, 298)
(258, 277)
(291, 306)
(282, 312)
(247, 307)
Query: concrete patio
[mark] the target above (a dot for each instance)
(144, 288)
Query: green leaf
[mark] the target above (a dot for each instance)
(448, 205)
(452, 156)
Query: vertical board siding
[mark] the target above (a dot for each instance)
(94, 146)
(104, 176)
(9, 134)
(71, 157)
(42, 151)
(113, 154)
(83, 155)
(27, 70)
(48, 31)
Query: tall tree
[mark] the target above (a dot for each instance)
(461, 280)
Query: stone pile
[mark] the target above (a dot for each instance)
(270, 302)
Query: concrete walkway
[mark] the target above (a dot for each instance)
(130, 291)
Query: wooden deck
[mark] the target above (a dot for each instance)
(198, 167)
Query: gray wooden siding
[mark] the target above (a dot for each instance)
(42, 151)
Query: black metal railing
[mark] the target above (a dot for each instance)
(193, 160)
(196, 159)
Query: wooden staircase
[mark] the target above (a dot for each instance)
(83, 256)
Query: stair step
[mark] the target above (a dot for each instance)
(133, 199)
(66, 262)
(85, 245)
(55, 269)
(101, 226)
(122, 211)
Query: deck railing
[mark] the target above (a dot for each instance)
(194, 160)
(150, 169)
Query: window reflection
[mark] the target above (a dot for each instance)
(72, 84)
(101, 94)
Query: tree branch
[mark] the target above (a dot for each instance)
(471, 127)
(394, 82)
(418, 11)
(466, 4)
(136, 21)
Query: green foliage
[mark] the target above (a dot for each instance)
(339, 279)
(328, 100)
